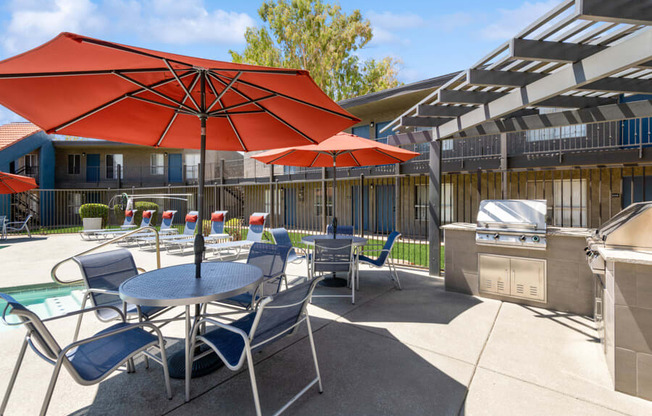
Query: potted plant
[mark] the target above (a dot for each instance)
(94, 216)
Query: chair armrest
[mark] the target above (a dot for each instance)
(110, 333)
(230, 328)
(81, 311)
(372, 251)
(103, 291)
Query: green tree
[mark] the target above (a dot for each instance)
(309, 34)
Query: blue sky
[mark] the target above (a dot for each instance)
(430, 38)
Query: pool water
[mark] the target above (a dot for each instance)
(45, 300)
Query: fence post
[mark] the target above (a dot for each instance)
(503, 164)
(323, 199)
(434, 208)
(361, 205)
(272, 221)
(222, 203)
(397, 195)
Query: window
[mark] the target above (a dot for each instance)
(569, 204)
(30, 162)
(552, 133)
(192, 165)
(112, 162)
(156, 164)
(74, 164)
(636, 189)
(318, 202)
(289, 170)
(382, 137)
(421, 202)
(447, 202)
(362, 131)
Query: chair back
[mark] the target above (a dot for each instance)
(106, 270)
(36, 330)
(166, 223)
(387, 248)
(282, 238)
(272, 260)
(189, 228)
(217, 227)
(255, 232)
(331, 255)
(27, 219)
(341, 229)
(281, 312)
(129, 220)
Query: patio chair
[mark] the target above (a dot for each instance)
(127, 224)
(341, 229)
(384, 257)
(182, 242)
(275, 317)
(145, 241)
(272, 260)
(91, 360)
(335, 256)
(103, 273)
(281, 236)
(254, 235)
(18, 226)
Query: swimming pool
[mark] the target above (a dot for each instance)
(45, 300)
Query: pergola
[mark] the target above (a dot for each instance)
(583, 56)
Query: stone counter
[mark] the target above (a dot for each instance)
(570, 284)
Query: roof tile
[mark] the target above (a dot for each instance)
(14, 132)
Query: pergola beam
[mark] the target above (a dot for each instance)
(541, 50)
(403, 139)
(501, 78)
(422, 121)
(573, 101)
(621, 85)
(612, 112)
(429, 110)
(636, 12)
(468, 97)
(610, 61)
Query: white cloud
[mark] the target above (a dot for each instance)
(455, 21)
(387, 25)
(34, 22)
(511, 21)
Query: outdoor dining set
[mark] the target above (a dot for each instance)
(142, 304)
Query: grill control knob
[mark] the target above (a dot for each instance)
(496, 236)
(535, 238)
(522, 238)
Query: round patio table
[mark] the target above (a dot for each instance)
(357, 242)
(177, 286)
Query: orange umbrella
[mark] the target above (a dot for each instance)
(13, 184)
(88, 87)
(343, 149)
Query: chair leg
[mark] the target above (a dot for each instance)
(252, 377)
(392, 266)
(314, 354)
(53, 382)
(12, 380)
(166, 371)
(29, 234)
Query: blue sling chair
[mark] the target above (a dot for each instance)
(384, 257)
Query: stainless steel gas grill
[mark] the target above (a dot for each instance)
(517, 223)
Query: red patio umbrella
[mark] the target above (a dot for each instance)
(343, 149)
(88, 87)
(13, 184)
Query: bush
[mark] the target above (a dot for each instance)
(139, 206)
(95, 211)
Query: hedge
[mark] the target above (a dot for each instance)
(95, 211)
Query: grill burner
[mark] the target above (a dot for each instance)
(517, 223)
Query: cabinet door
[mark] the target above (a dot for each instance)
(494, 274)
(528, 278)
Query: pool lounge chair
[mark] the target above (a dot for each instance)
(275, 317)
(127, 224)
(18, 226)
(148, 241)
(89, 361)
(144, 222)
(254, 235)
(180, 244)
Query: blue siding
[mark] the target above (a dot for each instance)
(362, 131)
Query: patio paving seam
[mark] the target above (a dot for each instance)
(477, 362)
(554, 390)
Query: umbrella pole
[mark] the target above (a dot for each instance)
(334, 281)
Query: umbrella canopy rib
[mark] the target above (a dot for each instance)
(152, 90)
(78, 73)
(174, 116)
(219, 96)
(388, 155)
(182, 85)
(226, 109)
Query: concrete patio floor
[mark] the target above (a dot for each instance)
(419, 351)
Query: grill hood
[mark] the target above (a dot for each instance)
(630, 228)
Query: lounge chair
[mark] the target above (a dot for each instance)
(103, 273)
(272, 260)
(188, 230)
(144, 222)
(335, 256)
(91, 360)
(18, 226)
(275, 317)
(182, 242)
(384, 257)
(127, 224)
(341, 229)
(254, 235)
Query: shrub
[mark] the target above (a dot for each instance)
(139, 206)
(95, 211)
